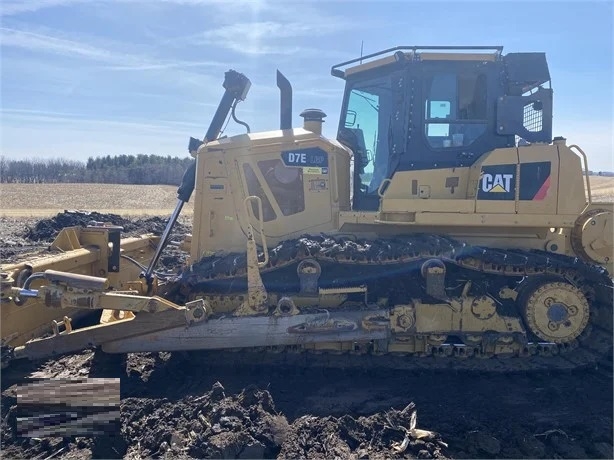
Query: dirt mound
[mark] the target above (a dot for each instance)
(244, 425)
(12, 243)
(36, 235)
(390, 434)
(47, 229)
(13, 250)
(212, 425)
(248, 426)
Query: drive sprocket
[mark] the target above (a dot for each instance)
(555, 311)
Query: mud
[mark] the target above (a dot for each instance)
(177, 406)
(21, 238)
(13, 244)
(180, 406)
(47, 229)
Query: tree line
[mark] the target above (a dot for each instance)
(120, 169)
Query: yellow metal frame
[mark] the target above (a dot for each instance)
(83, 251)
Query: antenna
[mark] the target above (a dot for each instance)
(362, 42)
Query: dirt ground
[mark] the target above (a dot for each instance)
(46, 200)
(178, 406)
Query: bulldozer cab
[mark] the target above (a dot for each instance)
(420, 108)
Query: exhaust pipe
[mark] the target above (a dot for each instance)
(285, 109)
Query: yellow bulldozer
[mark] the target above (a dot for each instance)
(443, 227)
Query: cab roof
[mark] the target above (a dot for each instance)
(411, 53)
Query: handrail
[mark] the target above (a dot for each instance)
(260, 226)
(333, 180)
(380, 191)
(586, 176)
(336, 72)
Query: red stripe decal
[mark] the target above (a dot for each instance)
(543, 190)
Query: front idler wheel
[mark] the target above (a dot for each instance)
(555, 311)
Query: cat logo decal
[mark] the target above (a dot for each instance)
(497, 183)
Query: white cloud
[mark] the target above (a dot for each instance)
(14, 7)
(68, 136)
(254, 4)
(17, 7)
(267, 37)
(335, 94)
(40, 117)
(240, 27)
(255, 31)
(45, 43)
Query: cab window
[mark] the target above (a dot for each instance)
(455, 112)
(368, 116)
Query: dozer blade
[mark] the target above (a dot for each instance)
(185, 328)
(260, 331)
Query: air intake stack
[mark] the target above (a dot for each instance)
(313, 119)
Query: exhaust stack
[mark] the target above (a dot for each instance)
(285, 109)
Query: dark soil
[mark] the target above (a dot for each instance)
(47, 229)
(24, 238)
(176, 406)
(179, 406)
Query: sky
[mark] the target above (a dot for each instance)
(83, 78)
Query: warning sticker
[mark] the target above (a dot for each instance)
(312, 170)
(318, 185)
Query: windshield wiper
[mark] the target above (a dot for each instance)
(371, 102)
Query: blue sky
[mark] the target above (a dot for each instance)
(84, 78)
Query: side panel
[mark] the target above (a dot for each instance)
(571, 189)
(539, 179)
(510, 193)
(215, 215)
(444, 184)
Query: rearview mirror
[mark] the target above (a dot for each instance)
(350, 118)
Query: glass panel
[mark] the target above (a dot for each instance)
(369, 116)
(455, 98)
(255, 189)
(286, 184)
(446, 135)
(439, 109)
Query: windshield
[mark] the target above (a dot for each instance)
(368, 116)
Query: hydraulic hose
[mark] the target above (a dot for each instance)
(35, 276)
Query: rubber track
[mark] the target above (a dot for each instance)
(226, 272)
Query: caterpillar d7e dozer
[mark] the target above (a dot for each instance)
(442, 225)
